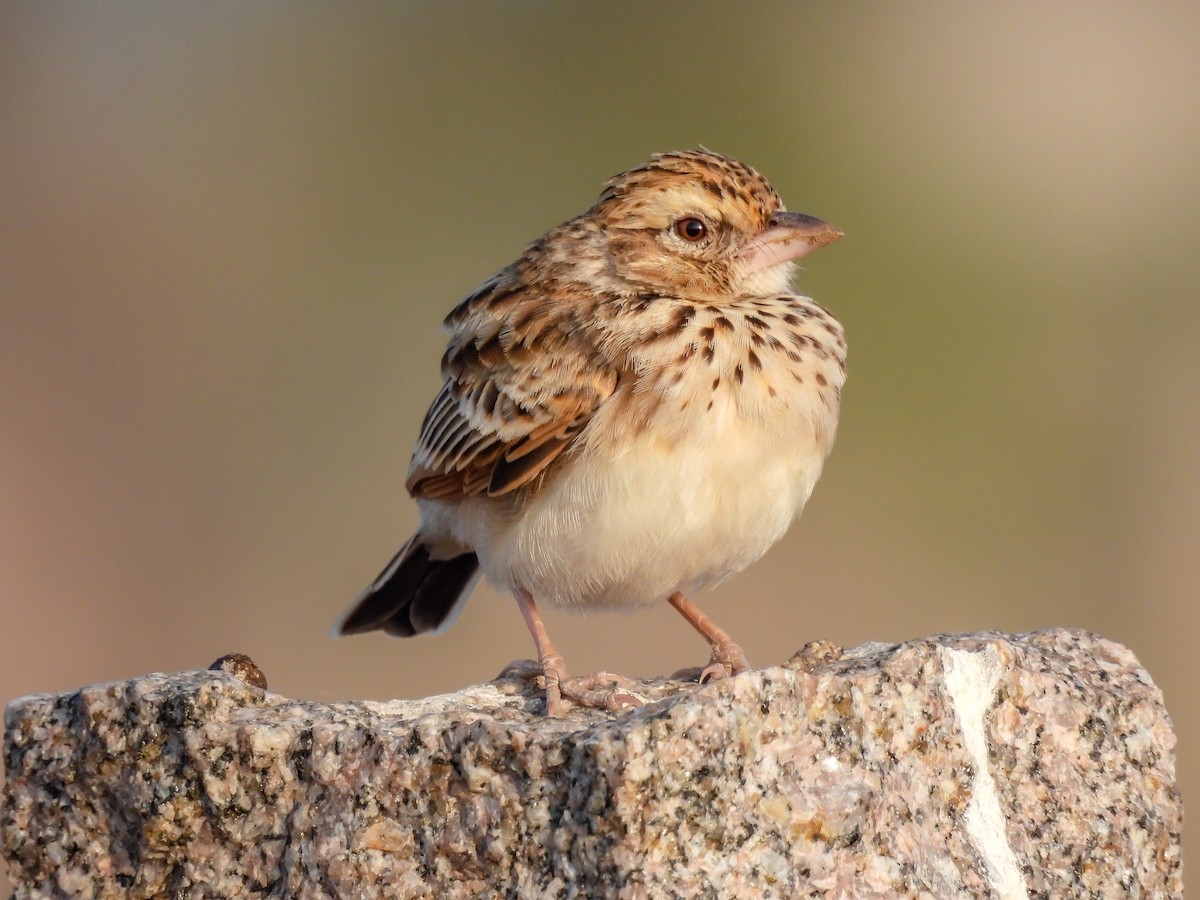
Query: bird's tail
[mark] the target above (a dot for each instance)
(414, 594)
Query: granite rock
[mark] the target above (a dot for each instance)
(1037, 765)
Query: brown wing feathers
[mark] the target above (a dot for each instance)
(496, 424)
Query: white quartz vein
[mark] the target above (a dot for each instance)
(971, 682)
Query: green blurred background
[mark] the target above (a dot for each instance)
(229, 231)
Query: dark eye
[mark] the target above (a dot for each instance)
(692, 230)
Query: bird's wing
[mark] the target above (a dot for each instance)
(520, 385)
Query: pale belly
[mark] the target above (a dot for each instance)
(627, 530)
(683, 477)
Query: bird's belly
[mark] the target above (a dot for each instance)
(627, 528)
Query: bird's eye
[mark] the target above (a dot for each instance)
(691, 230)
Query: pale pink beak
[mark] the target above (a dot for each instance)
(788, 236)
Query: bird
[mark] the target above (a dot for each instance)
(634, 410)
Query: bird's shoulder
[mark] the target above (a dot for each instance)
(522, 379)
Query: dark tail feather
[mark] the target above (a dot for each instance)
(414, 594)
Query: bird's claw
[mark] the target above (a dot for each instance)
(602, 690)
(726, 662)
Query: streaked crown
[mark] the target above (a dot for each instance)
(683, 180)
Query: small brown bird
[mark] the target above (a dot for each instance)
(635, 409)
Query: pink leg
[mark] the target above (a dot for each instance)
(599, 691)
(554, 668)
(727, 657)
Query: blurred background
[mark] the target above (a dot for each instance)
(229, 232)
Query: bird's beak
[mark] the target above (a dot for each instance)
(788, 236)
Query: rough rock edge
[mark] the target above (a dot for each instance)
(982, 750)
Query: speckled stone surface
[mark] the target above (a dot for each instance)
(1038, 765)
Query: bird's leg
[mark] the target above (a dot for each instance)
(599, 691)
(554, 668)
(727, 657)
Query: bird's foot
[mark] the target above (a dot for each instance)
(727, 660)
(727, 657)
(602, 690)
(599, 691)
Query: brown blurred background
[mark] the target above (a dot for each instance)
(228, 234)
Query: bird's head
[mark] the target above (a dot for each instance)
(701, 225)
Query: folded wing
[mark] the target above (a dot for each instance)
(501, 419)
